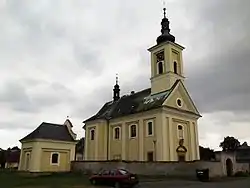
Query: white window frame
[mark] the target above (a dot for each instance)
(90, 130)
(136, 130)
(150, 121)
(178, 132)
(163, 67)
(58, 161)
(177, 63)
(117, 127)
(177, 102)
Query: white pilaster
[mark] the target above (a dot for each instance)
(189, 144)
(196, 141)
(20, 166)
(192, 141)
(86, 144)
(141, 140)
(164, 138)
(124, 138)
(96, 142)
(110, 137)
(171, 140)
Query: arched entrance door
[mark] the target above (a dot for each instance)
(229, 166)
(181, 151)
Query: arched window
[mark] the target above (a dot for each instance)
(133, 131)
(54, 158)
(175, 67)
(180, 132)
(92, 134)
(117, 133)
(160, 67)
(150, 128)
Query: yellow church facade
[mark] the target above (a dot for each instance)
(155, 124)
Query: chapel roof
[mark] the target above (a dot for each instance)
(50, 131)
(131, 104)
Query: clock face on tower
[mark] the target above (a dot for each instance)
(160, 56)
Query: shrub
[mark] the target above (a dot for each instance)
(241, 174)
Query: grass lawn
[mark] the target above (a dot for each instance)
(23, 180)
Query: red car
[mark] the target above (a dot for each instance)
(116, 178)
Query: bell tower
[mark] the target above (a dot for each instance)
(166, 60)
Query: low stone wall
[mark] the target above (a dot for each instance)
(244, 167)
(187, 169)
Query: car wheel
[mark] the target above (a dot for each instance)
(117, 185)
(136, 186)
(93, 182)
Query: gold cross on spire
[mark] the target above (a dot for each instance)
(164, 8)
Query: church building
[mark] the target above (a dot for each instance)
(155, 124)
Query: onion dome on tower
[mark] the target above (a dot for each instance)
(165, 31)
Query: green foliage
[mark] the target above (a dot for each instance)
(241, 174)
(206, 154)
(59, 180)
(80, 145)
(230, 144)
(2, 158)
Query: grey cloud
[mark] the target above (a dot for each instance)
(22, 97)
(220, 81)
(40, 29)
(224, 85)
(16, 95)
(88, 58)
(63, 41)
(89, 105)
(15, 125)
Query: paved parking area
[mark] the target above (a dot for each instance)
(236, 183)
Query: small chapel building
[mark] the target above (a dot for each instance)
(155, 124)
(49, 148)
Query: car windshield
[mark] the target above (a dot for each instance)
(123, 172)
(103, 172)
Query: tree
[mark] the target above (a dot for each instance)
(2, 158)
(229, 144)
(15, 148)
(206, 154)
(80, 145)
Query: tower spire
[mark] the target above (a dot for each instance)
(165, 30)
(116, 90)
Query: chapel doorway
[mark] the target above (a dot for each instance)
(229, 167)
(181, 157)
(181, 151)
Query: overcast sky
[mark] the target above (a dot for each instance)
(59, 58)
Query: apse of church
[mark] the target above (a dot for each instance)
(156, 124)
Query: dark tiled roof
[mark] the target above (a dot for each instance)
(131, 104)
(50, 131)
